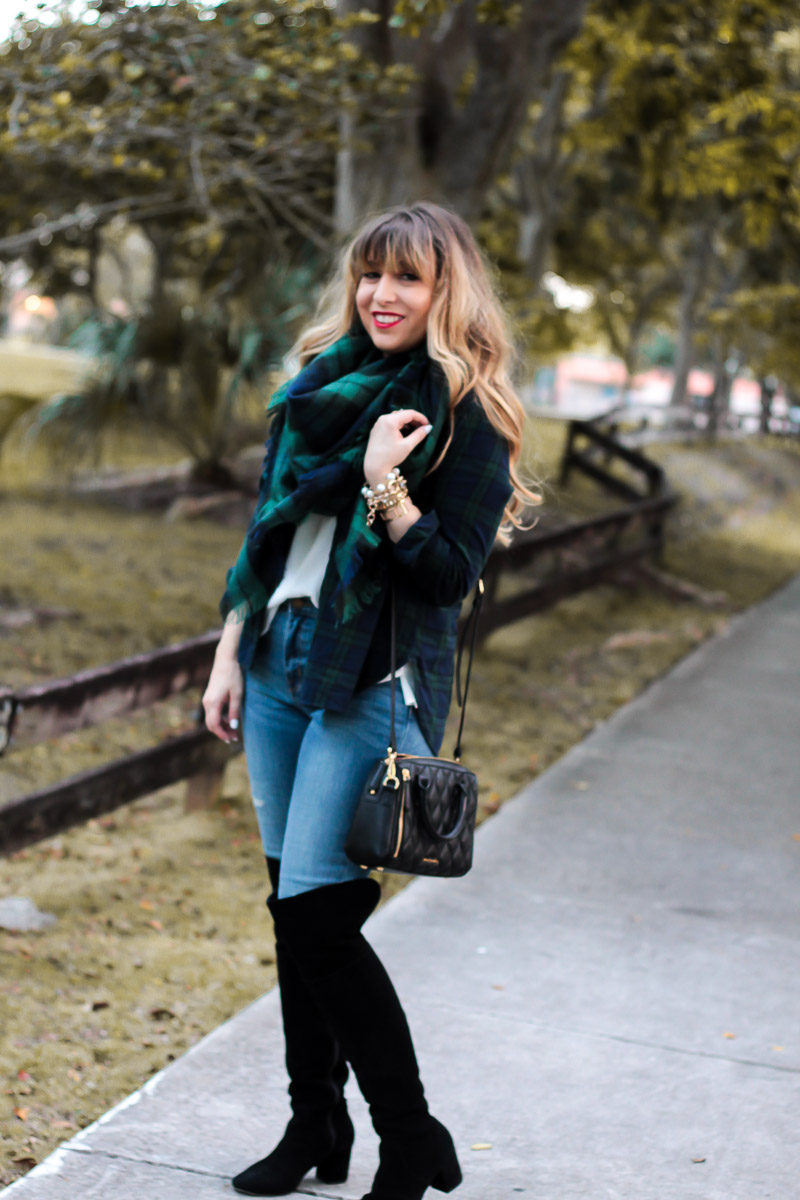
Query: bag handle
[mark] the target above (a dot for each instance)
(471, 627)
(425, 817)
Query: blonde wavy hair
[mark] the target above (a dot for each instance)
(466, 332)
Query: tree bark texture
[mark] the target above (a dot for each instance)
(457, 125)
(538, 176)
(694, 281)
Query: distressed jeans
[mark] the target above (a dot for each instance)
(307, 767)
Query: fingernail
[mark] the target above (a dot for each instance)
(233, 723)
(427, 428)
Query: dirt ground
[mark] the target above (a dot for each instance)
(161, 931)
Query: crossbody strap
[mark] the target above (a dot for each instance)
(470, 630)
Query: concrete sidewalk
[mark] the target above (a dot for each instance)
(610, 1001)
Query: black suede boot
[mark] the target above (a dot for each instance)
(322, 930)
(320, 1132)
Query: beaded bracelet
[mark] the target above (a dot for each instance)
(386, 497)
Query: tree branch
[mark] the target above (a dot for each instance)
(162, 205)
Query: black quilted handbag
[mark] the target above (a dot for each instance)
(416, 814)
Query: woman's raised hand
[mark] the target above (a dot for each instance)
(388, 445)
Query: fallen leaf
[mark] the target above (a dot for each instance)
(159, 1012)
(98, 1004)
(63, 1125)
(147, 905)
(698, 1160)
(22, 1113)
(74, 1075)
(23, 1075)
(481, 1146)
(156, 925)
(491, 803)
(729, 1035)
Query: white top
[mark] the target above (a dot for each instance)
(305, 569)
(305, 564)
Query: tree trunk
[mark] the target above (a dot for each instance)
(448, 142)
(538, 177)
(720, 393)
(693, 285)
(767, 396)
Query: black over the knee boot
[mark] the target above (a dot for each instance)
(320, 1132)
(322, 930)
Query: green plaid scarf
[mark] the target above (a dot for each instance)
(327, 412)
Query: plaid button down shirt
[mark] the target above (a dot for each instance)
(433, 567)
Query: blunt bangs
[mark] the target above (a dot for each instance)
(399, 242)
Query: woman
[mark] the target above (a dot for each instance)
(407, 369)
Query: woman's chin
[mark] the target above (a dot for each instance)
(389, 342)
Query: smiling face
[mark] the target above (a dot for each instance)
(393, 304)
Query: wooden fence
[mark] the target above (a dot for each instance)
(545, 565)
(540, 567)
(49, 710)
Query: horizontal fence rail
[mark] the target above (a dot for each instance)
(48, 710)
(43, 813)
(549, 565)
(61, 706)
(541, 566)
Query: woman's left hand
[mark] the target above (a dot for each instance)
(388, 446)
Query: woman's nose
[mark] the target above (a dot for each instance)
(384, 289)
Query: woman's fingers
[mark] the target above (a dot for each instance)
(213, 713)
(388, 446)
(405, 417)
(234, 710)
(213, 710)
(415, 437)
(222, 701)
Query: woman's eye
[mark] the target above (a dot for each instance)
(370, 275)
(409, 276)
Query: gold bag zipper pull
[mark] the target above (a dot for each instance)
(390, 778)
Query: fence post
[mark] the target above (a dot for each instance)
(566, 458)
(204, 789)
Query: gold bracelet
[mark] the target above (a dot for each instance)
(397, 510)
(386, 496)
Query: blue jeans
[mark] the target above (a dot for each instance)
(307, 767)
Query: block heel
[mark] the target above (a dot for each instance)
(300, 1150)
(449, 1177)
(335, 1167)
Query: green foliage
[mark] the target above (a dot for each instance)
(215, 131)
(658, 348)
(410, 17)
(185, 373)
(672, 185)
(224, 117)
(657, 164)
